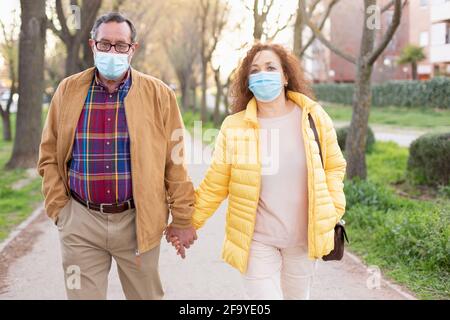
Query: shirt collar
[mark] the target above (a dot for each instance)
(99, 82)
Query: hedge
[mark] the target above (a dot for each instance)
(434, 93)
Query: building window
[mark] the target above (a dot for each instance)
(423, 39)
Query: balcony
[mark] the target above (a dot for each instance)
(440, 53)
(440, 12)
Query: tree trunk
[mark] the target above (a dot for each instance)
(194, 95)
(414, 70)
(216, 116)
(6, 115)
(31, 84)
(6, 120)
(226, 103)
(298, 35)
(185, 94)
(355, 145)
(204, 114)
(88, 56)
(257, 31)
(258, 22)
(72, 60)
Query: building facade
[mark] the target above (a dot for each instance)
(424, 23)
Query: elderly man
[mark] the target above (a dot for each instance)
(109, 179)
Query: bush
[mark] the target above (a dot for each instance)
(342, 136)
(434, 93)
(367, 193)
(429, 160)
(415, 233)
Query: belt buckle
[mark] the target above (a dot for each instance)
(129, 204)
(101, 208)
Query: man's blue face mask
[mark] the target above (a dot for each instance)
(266, 86)
(111, 65)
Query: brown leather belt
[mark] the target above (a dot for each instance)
(104, 207)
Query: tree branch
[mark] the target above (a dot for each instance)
(387, 6)
(319, 35)
(313, 6)
(64, 34)
(389, 33)
(51, 26)
(321, 25)
(89, 11)
(279, 29)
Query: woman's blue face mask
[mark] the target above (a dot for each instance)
(265, 86)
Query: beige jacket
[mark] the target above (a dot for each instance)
(159, 184)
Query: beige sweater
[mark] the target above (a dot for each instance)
(282, 213)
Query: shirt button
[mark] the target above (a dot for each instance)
(110, 95)
(109, 119)
(107, 167)
(107, 142)
(107, 191)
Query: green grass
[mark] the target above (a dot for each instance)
(15, 205)
(414, 118)
(189, 119)
(408, 239)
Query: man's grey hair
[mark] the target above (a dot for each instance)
(113, 17)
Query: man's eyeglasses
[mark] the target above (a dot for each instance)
(119, 47)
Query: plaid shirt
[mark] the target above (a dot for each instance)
(100, 168)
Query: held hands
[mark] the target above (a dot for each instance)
(181, 239)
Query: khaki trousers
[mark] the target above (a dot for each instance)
(89, 241)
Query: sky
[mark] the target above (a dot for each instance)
(226, 56)
(7, 6)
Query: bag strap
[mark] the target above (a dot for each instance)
(316, 136)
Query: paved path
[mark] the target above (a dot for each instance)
(402, 136)
(30, 268)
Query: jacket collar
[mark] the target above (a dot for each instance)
(298, 98)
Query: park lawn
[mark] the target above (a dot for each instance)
(407, 238)
(15, 205)
(411, 118)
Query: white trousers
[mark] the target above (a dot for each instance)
(276, 274)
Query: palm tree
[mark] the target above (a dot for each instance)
(412, 54)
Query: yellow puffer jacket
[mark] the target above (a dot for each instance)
(235, 172)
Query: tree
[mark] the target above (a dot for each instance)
(219, 93)
(150, 24)
(261, 30)
(79, 38)
(412, 54)
(356, 138)
(182, 49)
(54, 68)
(301, 46)
(31, 84)
(9, 51)
(212, 15)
